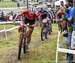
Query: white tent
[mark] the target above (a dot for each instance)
(59, 2)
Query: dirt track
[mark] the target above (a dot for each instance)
(10, 57)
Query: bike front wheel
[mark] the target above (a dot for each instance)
(20, 46)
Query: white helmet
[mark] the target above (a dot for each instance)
(32, 10)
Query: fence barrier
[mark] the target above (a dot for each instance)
(6, 30)
(62, 49)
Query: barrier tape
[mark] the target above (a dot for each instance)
(9, 22)
(9, 29)
(66, 50)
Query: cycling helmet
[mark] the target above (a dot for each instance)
(32, 10)
(40, 9)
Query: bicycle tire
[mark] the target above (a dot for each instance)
(24, 48)
(26, 43)
(42, 34)
(49, 30)
(46, 35)
(20, 47)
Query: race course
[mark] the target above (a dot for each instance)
(39, 52)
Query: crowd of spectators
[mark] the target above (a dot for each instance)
(7, 16)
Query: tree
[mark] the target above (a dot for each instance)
(1, 0)
(13, 0)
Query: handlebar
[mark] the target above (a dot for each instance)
(28, 25)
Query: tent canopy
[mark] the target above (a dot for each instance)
(59, 2)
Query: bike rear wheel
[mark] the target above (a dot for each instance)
(46, 35)
(43, 34)
(49, 30)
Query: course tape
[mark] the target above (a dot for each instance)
(66, 50)
(9, 29)
(9, 22)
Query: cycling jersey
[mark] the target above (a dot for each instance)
(44, 14)
(29, 16)
(69, 16)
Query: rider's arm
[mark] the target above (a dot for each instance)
(36, 19)
(18, 15)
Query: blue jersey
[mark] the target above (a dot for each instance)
(45, 14)
(70, 14)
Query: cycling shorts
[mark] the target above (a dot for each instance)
(27, 21)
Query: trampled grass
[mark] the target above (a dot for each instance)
(39, 52)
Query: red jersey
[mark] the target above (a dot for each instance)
(29, 16)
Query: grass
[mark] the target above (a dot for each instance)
(40, 52)
(6, 26)
(8, 4)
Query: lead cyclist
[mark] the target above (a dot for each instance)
(30, 18)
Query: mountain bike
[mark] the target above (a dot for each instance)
(44, 31)
(23, 41)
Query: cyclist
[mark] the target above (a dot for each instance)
(69, 15)
(30, 18)
(59, 15)
(44, 16)
(50, 14)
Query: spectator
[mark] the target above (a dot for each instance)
(18, 5)
(6, 18)
(2, 16)
(69, 16)
(10, 17)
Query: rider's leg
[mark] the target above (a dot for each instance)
(29, 34)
